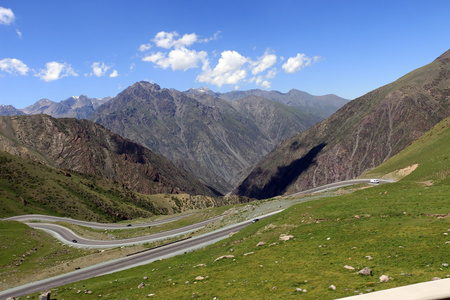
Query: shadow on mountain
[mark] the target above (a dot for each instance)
(285, 176)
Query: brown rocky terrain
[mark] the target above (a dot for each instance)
(89, 148)
(361, 135)
(215, 140)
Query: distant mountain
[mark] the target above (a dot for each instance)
(216, 140)
(360, 136)
(9, 110)
(80, 107)
(86, 147)
(322, 106)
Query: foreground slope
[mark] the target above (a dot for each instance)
(399, 230)
(360, 136)
(86, 147)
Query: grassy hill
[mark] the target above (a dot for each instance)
(399, 230)
(28, 187)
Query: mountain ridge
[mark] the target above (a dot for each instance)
(86, 147)
(205, 135)
(358, 137)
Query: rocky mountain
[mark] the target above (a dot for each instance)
(214, 139)
(86, 147)
(322, 106)
(80, 107)
(360, 136)
(9, 110)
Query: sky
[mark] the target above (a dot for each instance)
(58, 49)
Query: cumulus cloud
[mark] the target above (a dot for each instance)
(263, 63)
(177, 59)
(169, 40)
(266, 84)
(145, 47)
(114, 74)
(55, 70)
(6, 16)
(13, 66)
(272, 73)
(19, 34)
(295, 64)
(229, 70)
(99, 69)
(259, 80)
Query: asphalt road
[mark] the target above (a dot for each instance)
(46, 218)
(339, 184)
(124, 263)
(141, 258)
(66, 235)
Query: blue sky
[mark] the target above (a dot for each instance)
(58, 49)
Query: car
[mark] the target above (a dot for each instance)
(374, 181)
(129, 225)
(74, 241)
(255, 220)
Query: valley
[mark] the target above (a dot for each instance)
(319, 234)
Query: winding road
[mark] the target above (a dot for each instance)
(146, 257)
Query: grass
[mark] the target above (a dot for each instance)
(400, 230)
(28, 254)
(113, 234)
(393, 228)
(28, 187)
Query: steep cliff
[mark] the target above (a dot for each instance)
(360, 136)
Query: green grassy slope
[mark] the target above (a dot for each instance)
(28, 187)
(400, 230)
(431, 152)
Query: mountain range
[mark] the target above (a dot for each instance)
(81, 107)
(88, 148)
(358, 137)
(217, 137)
(216, 140)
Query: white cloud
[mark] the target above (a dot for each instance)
(99, 69)
(154, 57)
(177, 59)
(55, 70)
(295, 64)
(272, 73)
(13, 66)
(214, 37)
(263, 63)
(114, 74)
(266, 84)
(259, 80)
(168, 40)
(144, 47)
(229, 70)
(6, 16)
(19, 34)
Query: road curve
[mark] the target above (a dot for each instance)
(67, 236)
(128, 262)
(141, 258)
(339, 184)
(47, 218)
